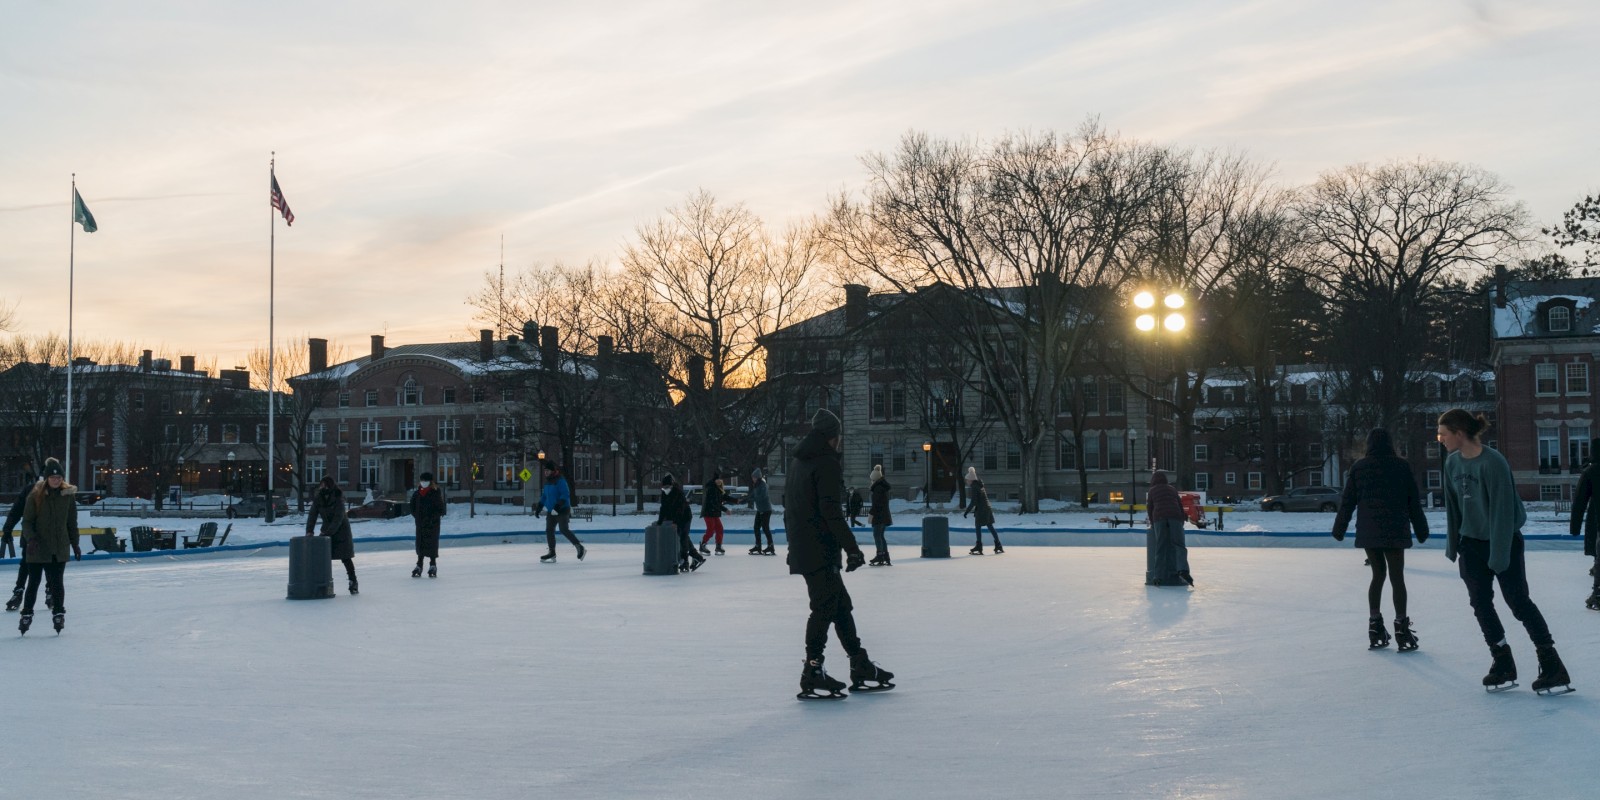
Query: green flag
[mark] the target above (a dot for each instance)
(80, 213)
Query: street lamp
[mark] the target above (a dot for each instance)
(539, 468)
(1133, 475)
(1174, 322)
(180, 480)
(617, 481)
(927, 492)
(233, 477)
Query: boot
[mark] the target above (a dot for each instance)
(863, 671)
(417, 573)
(719, 551)
(59, 619)
(355, 588)
(1377, 635)
(25, 623)
(433, 569)
(548, 558)
(1552, 673)
(1405, 639)
(581, 551)
(1503, 672)
(1593, 603)
(15, 602)
(977, 550)
(814, 679)
(997, 548)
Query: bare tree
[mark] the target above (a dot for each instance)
(33, 393)
(301, 394)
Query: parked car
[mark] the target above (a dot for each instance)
(1304, 498)
(378, 509)
(732, 497)
(88, 498)
(256, 506)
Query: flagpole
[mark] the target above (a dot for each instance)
(72, 259)
(272, 278)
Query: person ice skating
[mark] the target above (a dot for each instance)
(761, 501)
(878, 514)
(982, 513)
(327, 505)
(675, 509)
(853, 505)
(1484, 519)
(1586, 520)
(1382, 494)
(13, 517)
(49, 537)
(711, 508)
(814, 524)
(556, 502)
(428, 507)
(1166, 555)
(8, 546)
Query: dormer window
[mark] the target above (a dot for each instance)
(1560, 319)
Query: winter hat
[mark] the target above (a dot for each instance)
(1379, 443)
(825, 423)
(426, 476)
(1158, 478)
(52, 467)
(549, 465)
(666, 480)
(877, 472)
(756, 474)
(972, 474)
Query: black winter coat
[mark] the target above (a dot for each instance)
(1586, 508)
(879, 512)
(329, 508)
(978, 505)
(675, 509)
(1382, 494)
(15, 515)
(813, 516)
(427, 508)
(711, 506)
(854, 503)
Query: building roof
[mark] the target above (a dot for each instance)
(463, 356)
(1526, 302)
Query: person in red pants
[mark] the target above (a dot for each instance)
(711, 509)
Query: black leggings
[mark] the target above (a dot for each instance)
(52, 574)
(764, 522)
(350, 567)
(1390, 560)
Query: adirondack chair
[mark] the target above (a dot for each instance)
(223, 539)
(143, 538)
(208, 532)
(108, 542)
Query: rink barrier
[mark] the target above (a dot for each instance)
(901, 535)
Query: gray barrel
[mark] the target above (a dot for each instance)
(661, 549)
(935, 537)
(310, 567)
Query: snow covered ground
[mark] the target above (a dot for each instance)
(1047, 672)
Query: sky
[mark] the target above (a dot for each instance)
(412, 136)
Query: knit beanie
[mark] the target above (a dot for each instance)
(877, 473)
(53, 467)
(825, 423)
(972, 474)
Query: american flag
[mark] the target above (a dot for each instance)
(281, 204)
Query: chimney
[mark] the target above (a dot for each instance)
(144, 362)
(161, 365)
(1500, 279)
(605, 345)
(83, 361)
(186, 363)
(485, 344)
(236, 377)
(697, 373)
(530, 332)
(549, 347)
(855, 304)
(377, 347)
(317, 350)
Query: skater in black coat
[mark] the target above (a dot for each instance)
(1382, 494)
(428, 507)
(982, 513)
(12, 518)
(8, 547)
(815, 526)
(878, 514)
(853, 506)
(1586, 519)
(761, 501)
(675, 509)
(711, 508)
(327, 505)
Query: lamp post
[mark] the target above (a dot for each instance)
(233, 477)
(1133, 475)
(927, 492)
(1171, 322)
(539, 468)
(616, 483)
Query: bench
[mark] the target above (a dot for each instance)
(586, 514)
(104, 540)
(143, 538)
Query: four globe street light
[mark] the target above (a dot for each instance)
(1170, 318)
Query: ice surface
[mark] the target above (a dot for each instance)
(1047, 672)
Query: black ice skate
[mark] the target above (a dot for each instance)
(1552, 678)
(878, 560)
(548, 558)
(25, 623)
(756, 551)
(864, 672)
(998, 549)
(1377, 635)
(1503, 672)
(769, 551)
(1184, 576)
(704, 549)
(15, 602)
(417, 573)
(59, 619)
(433, 570)
(582, 551)
(814, 679)
(719, 551)
(355, 588)
(1593, 603)
(977, 550)
(1405, 638)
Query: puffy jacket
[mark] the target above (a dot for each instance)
(50, 524)
(760, 497)
(556, 498)
(813, 515)
(1382, 494)
(327, 506)
(675, 509)
(711, 505)
(879, 514)
(1163, 500)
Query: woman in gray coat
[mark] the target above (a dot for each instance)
(982, 513)
(761, 500)
(327, 504)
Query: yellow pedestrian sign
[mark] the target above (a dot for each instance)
(524, 475)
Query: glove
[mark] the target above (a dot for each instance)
(1422, 536)
(854, 561)
(77, 555)
(538, 508)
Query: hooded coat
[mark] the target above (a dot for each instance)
(813, 513)
(878, 512)
(711, 501)
(1382, 494)
(1586, 502)
(675, 508)
(327, 505)
(1163, 500)
(427, 508)
(50, 524)
(978, 504)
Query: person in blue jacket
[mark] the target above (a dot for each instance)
(556, 502)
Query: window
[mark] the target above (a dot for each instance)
(1578, 446)
(1013, 456)
(1488, 388)
(449, 470)
(899, 458)
(344, 434)
(1202, 481)
(897, 402)
(1314, 451)
(1577, 378)
(1435, 479)
(1431, 389)
(100, 437)
(1549, 491)
(344, 471)
(1091, 451)
(1202, 452)
(369, 471)
(1068, 457)
(1227, 395)
(410, 431)
(508, 395)
(370, 431)
(261, 433)
(878, 402)
(344, 399)
(1560, 319)
(1314, 479)
(1115, 403)
(479, 430)
(411, 394)
(201, 434)
(1091, 396)
(372, 397)
(1549, 448)
(1254, 481)
(230, 433)
(1464, 388)
(1230, 478)
(991, 457)
(1314, 391)
(1116, 450)
(875, 455)
(506, 472)
(1544, 379)
(316, 435)
(449, 394)
(449, 430)
(316, 469)
(138, 401)
(166, 404)
(505, 429)
(1433, 450)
